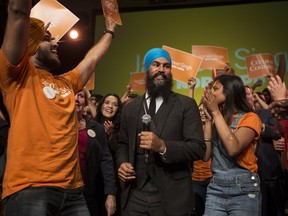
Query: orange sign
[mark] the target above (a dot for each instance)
(213, 56)
(259, 65)
(90, 83)
(111, 11)
(218, 72)
(52, 11)
(138, 81)
(184, 65)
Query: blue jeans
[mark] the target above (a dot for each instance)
(46, 201)
(237, 196)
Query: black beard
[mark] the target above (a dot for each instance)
(162, 89)
(47, 62)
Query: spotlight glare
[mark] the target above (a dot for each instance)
(74, 34)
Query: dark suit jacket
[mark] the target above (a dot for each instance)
(178, 124)
(269, 163)
(99, 177)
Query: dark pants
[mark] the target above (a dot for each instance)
(46, 201)
(143, 204)
(273, 202)
(144, 201)
(200, 190)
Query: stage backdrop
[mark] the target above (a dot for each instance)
(243, 29)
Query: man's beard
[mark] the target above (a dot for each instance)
(46, 60)
(161, 88)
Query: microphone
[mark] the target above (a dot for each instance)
(146, 120)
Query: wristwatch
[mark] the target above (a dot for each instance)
(162, 154)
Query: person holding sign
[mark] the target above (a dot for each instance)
(269, 163)
(279, 94)
(157, 145)
(279, 108)
(235, 186)
(42, 175)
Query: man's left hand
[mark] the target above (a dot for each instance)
(110, 205)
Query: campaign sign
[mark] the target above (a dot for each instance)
(60, 18)
(184, 65)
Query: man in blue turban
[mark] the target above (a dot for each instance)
(157, 63)
(156, 146)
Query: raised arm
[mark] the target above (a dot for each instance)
(236, 142)
(191, 83)
(126, 93)
(262, 103)
(91, 105)
(258, 83)
(17, 30)
(95, 54)
(277, 88)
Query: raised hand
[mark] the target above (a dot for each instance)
(277, 88)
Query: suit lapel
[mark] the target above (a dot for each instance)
(90, 126)
(163, 112)
(133, 124)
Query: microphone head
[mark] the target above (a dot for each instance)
(146, 119)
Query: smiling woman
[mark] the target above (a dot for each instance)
(109, 114)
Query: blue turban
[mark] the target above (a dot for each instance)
(153, 54)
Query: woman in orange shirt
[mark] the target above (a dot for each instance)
(235, 186)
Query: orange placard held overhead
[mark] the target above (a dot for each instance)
(260, 65)
(218, 72)
(111, 11)
(184, 65)
(227, 70)
(60, 18)
(213, 56)
(138, 82)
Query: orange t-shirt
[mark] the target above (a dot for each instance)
(201, 170)
(42, 143)
(247, 158)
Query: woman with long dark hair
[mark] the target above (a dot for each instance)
(231, 131)
(109, 112)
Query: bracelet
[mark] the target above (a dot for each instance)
(207, 140)
(109, 32)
